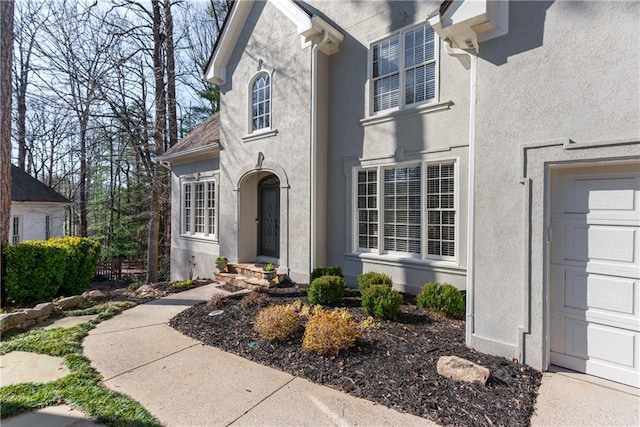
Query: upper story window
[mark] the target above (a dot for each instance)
(261, 102)
(404, 69)
(200, 208)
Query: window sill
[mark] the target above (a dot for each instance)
(399, 261)
(262, 133)
(200, 238)
(386, 116)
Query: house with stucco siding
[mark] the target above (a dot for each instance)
(494, 145)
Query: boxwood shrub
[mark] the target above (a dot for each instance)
(326, 271)
(443, 298)
(373, 278)
(381, 301)
(326, 290)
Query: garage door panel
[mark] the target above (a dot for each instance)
(588, 340)
(595, 271)
(601, 194)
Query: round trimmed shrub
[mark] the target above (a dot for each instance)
(326, 271)
(381, 301)
(326, 290)
(373, 278)
(329, 332)
(276, 323)
(443, 298)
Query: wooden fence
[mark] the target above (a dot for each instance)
(116, 267)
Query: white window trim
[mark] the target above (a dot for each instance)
(401, 102)
(379, 253)
(191, 181)
(20, 233)
(266, 131)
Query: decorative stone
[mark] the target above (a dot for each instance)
(462, 370)
(11, 320)
(94, 295)
(71, 302)
(118, 292)
(28, 323)
(143, 289)
(42, 318)
(32, 313)
(45, 307)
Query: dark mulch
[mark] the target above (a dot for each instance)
(394, 365)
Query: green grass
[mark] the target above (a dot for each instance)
(82, 388)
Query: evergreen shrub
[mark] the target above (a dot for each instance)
(326, 290)
(326, 271)
(373, 278)
(329, 332)
(381, 301)
(442, 298)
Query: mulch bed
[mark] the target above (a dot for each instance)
(394, 364)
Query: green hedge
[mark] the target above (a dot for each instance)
(326, 290)
(326, 271)
(41, 270)
(373, 278)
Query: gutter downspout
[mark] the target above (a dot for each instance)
(470, 188)
(313, 147)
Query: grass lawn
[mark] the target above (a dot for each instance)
(81, 389)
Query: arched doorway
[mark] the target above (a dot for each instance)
(269, 217)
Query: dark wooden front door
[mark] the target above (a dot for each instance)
(269, 217)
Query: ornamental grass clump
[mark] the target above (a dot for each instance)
(326, 290)
(373, 278)
(381, 301)
(329, 332)
(277, 323)
(442, 298)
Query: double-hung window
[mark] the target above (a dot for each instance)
(16, 229)
(199, 208)
(407, 210)
(404, 69)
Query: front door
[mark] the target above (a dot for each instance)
(269, 217)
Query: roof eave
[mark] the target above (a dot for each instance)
(194, 152)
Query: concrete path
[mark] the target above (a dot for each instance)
(185, 383)
(52, 416)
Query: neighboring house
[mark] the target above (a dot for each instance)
(360, 134)
(37, 211)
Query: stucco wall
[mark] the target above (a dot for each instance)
(32, 217)
(432, 136)
(190, 254)
(566, 71)
(269, 39)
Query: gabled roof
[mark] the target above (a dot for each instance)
(310, 27)
(25, 188)
(204, 138)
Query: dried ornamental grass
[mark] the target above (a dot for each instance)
(276, 323)
(329, 332)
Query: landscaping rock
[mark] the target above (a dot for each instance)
(119, 292)
(462, 370)
(71, 302)
(94, 295)
(45, 307)
(11, 320)
(32, 313)
(143, 289)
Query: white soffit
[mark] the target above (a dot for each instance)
(310, 28)
(467, 23)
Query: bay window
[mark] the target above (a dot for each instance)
(199, 208)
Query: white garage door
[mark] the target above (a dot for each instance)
(595, 271)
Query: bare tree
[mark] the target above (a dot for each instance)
(6, 49)
(31, 16)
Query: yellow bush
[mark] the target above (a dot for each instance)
(276, 323)
(329, 332)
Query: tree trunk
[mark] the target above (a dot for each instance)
(6, 50)
(158, 139)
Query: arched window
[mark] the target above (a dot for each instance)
(261, 102)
